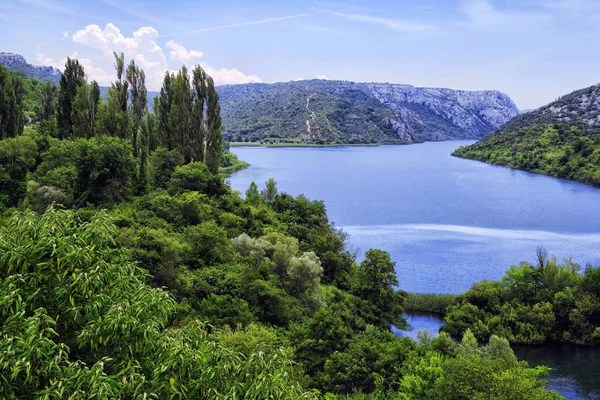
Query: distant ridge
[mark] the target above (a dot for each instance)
(17, 63)
(341, 112)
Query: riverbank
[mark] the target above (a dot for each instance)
(310, 145)
(238, 165)
(428, 302)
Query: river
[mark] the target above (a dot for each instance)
(447, 222)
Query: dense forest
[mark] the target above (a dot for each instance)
(559, 150)
(130, 269)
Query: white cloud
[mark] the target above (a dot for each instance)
(224, 76)
(324, 77)
(397, 25)
(178, 52)
(92, 72)
(3, 17)
(142, 46)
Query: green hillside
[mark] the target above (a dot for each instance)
(313, 112)
(561, 139)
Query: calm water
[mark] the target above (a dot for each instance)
(447, 222)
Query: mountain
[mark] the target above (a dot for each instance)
(17, 63)
(580, 108)
(321, 111)
(561, 139)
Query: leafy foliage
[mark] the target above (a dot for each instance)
(532, 304)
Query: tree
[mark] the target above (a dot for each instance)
(48, 99)
(17, 157)
(213, 123)
(198, 123)
(180, 117)
(12, 118)
(162, 165)
(374, 282)
(136, 80)
(252, 195)
(165, 103)
(119, 97)
(270, 192)
(72, 78)
(85, 107)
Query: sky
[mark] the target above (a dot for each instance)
(532, 50)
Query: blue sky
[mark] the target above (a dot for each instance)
(533, 50)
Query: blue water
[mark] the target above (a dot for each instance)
(447, 222)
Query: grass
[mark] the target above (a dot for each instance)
(237, 166)
(428, 302)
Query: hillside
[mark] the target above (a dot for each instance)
(580, 108)
(17, 63)
(320, 111)
(560, 139)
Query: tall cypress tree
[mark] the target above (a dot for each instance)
(213, 125)
(137, 84)
(164, 111)
(72, 78)
(198, 123)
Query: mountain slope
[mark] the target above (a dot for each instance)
(320, 111)
(580, 108)
(561, 139)
(17, 63)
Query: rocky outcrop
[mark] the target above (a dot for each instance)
(440, 114)
(17, 63)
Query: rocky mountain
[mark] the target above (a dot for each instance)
(320, 111)
(17, 63)
(580, 108)
(559, 139)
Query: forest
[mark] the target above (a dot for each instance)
(130, 269)
(559, 150)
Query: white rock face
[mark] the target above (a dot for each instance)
(439, 114)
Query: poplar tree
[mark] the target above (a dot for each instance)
(12, 118)
(119, 96)
(180, 117)
(136, 79)
(198, 123)
(163, 111)
(85, 107)
(47, 97)
(72, 78)
(213, 125)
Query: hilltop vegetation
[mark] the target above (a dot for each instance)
(563, 151)
(129, 269)
(338, 112)
(561, 139)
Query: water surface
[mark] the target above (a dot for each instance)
(447, 222)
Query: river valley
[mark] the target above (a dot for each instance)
(447, 222)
